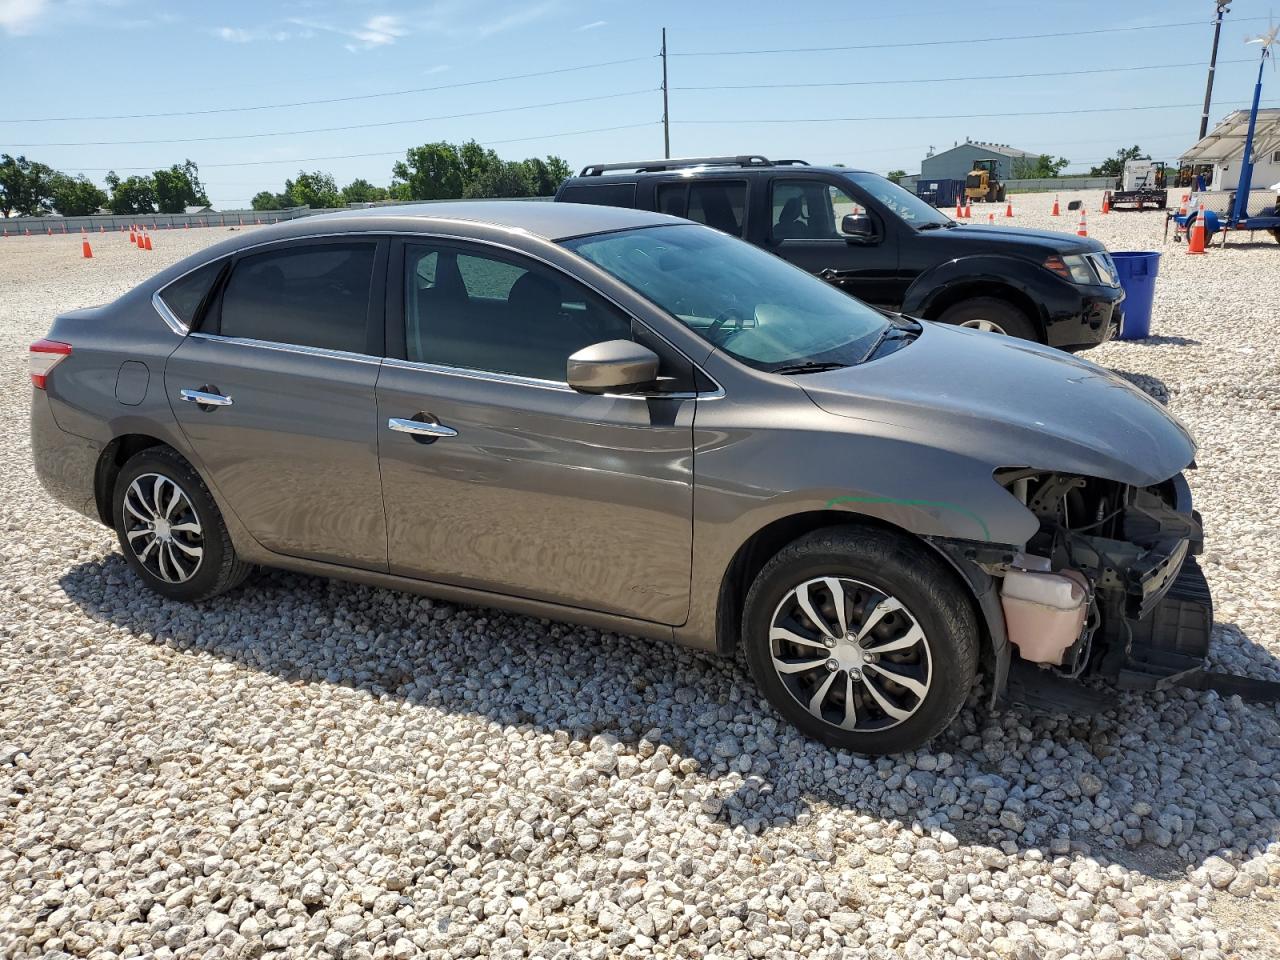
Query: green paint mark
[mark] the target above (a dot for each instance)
(986, 533)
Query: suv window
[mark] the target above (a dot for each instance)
(604, 194)
(717, 203)
(499, 314)
(187, 294)
(809, 210)
(310, 296)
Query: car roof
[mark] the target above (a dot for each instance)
(551, 221)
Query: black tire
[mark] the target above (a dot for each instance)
(1011, 321)
(885, 564)
(216, 570)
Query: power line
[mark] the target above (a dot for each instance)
(946, 116)
(380, 153)
(353, 126)
(328, 100)
(943, 43)
(991, 76)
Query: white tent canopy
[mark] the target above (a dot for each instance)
(1226, 141)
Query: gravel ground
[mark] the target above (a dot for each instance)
(308, 768)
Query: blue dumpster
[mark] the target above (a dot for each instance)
(1137, 272)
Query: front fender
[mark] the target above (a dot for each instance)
(941, 284)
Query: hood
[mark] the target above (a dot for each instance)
(1011, 403)
(985, 238)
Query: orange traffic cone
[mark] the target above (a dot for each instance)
(1195, 242)
(146, 241)
(85, 250)
(1082, 230)
(1182, 208)
(991, 219)
(49, 230)
(968, 209)
(1055, 212)
(133, 237)
(959, 210)
(1008, 209)
(1106, 202)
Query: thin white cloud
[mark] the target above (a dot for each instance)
(380, 31)
(235, 34)
(590, 26)
(438, 68)
(20, 17)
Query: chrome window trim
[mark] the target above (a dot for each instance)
(289, 347)
(168, 316)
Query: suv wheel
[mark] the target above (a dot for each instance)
(861, 639)
(171, 531)
(992, 315)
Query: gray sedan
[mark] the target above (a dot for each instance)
(638, 423)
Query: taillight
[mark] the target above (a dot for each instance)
(45, 355)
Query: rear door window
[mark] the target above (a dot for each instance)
(721, 204)
(308, 295)
(604, 194)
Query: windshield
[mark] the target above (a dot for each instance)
(909, 208)
(754, 306)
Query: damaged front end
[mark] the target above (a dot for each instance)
(1107, 587)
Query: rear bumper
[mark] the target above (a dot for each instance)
(65, 463)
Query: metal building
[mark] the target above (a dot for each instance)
(955, 163)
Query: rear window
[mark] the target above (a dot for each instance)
(186, 295)
(602, 195)
(311, 296)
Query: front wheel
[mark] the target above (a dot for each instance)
(993, 316)
(862, 639)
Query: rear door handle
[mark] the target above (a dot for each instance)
(205, 398)
(421, 428)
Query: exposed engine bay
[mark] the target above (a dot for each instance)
(1108, 585)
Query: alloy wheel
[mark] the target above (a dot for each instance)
(162, 528)
(987, 326)
(852, 655)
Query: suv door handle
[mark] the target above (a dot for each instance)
(421, 429)
(205, 398)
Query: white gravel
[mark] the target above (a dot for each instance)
(308, 768)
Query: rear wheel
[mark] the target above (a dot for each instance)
(862, 639)
(171, 531)
(993, 316)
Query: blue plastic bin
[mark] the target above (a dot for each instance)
(1137, 272)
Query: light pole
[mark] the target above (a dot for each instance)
(1213, 62)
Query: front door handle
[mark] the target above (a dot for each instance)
(421, 429)
(205, 397)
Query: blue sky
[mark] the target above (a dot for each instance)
(93, 58)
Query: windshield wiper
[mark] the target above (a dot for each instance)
(931, 226)
(808, 366)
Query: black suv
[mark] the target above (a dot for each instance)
(874, 240)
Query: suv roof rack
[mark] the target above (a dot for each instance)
(656, 166)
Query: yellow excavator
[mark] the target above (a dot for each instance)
(981, 183)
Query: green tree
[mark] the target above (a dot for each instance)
(26, 187)
(895, 175)
(509, 179)
(178, 187)
(316, 190)
(432, 171)
(362, 191)
(545, 176)
(1114, 166)
(1043, 167)
(76, 196)
(266, 200)
(135, 195)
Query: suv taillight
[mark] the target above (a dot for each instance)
(45, 355)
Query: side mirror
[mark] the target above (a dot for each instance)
(857, 227)
(614, 366)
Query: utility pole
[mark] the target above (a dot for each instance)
(1213, 62)
(666, 122)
